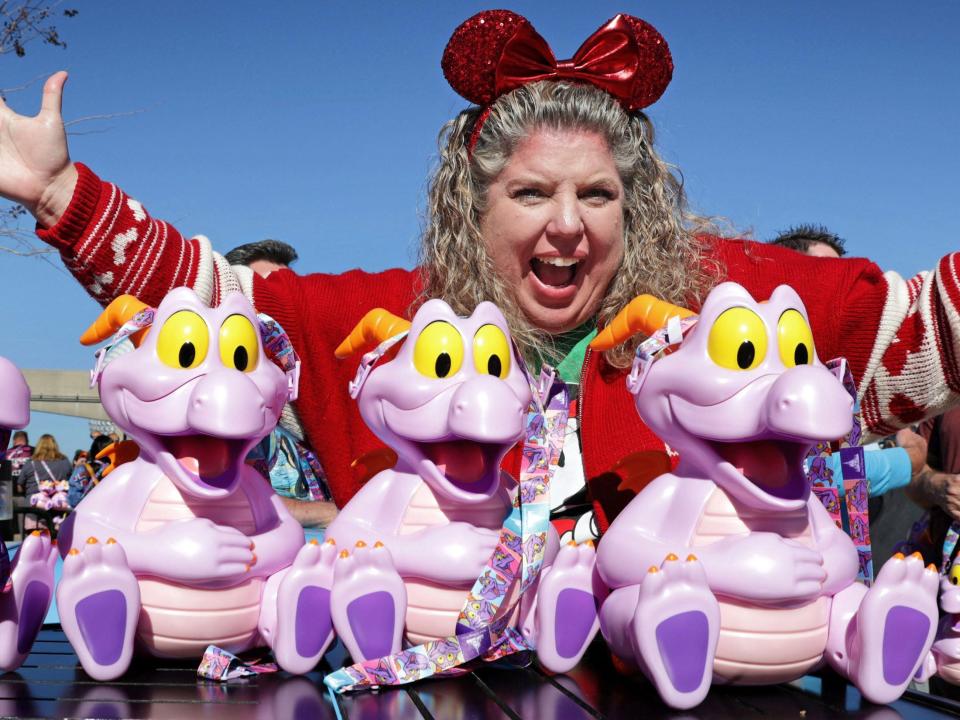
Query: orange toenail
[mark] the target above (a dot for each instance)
(691, 558)
(73, 551)
(360, 543)
(378, 544)
(111, 541)
(898, 556)
(252, 545)
(589, 543)
(331, 541)
(254, 561)
(671, 557)
(92, 540)
(931, 566)
(344, 554)
(313, 541)
(653, 569)
(916, 555)
(572, 543)
(36, 533)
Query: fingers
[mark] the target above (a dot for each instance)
(52, 100)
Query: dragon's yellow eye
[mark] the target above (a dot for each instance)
(491, 351)
(738, 339)
(183, 340)
(439, 350)
(955, 573)
(795, 339)
(239, 348)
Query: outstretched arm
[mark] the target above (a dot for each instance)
(106, 238)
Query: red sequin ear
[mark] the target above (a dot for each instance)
(655, 68)
(470, 58)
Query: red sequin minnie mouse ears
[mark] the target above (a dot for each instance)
(497, 51)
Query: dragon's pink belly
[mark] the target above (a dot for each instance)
(179, 621)
(433, 609)
(763, 645)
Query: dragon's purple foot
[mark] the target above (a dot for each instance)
(368, 602)
(899, 617)
(26, 598)
(567, 601)
(99, 603)
(304, 627)
(675, 630)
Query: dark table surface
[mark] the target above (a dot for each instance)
(51, 684)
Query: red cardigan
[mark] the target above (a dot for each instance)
(899, 336)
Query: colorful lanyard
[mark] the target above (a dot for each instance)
(949, 545)
(484, 628)
(852, 515)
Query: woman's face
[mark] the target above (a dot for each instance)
(554, 226)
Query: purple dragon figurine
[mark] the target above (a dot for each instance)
(758, 584)
(451, 403)
(944, 657)
(187, 545)
(26, 587)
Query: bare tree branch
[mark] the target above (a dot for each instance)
(28, 20)
(28, 253)
(105, 116)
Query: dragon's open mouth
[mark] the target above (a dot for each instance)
(464, 463)
(774, 466)
(210, 460)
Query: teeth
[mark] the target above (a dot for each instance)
(558, 261)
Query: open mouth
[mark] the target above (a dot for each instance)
(774, 466)
(558, 272)
(210, 460)
(466, 464)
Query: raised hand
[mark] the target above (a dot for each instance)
(35, 167)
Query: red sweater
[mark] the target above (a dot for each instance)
(899, 336)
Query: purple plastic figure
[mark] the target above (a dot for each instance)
(451, 403)
(187, 545)
(944, 657)
(26, 587)
(758, 585)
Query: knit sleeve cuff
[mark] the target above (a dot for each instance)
(71, 226)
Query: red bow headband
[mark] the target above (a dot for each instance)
(497, 51)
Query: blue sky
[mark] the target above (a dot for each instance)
(316, 123)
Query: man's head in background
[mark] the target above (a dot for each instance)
(813, 240)
(20, 438)
(263, 256)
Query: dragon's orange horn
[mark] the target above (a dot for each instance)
(644, 314)
(118, 453)
(112, 319)
(375, 327)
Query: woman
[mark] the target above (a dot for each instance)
(47, 464)
(88, 473)
(549, 200)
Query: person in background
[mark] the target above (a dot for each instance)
(814, 240)
(20, 451)
(263, 256)
(284, 456)
(46, 464)
(88, 473)
(79, 457)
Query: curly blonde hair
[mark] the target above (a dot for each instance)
(662, 255)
